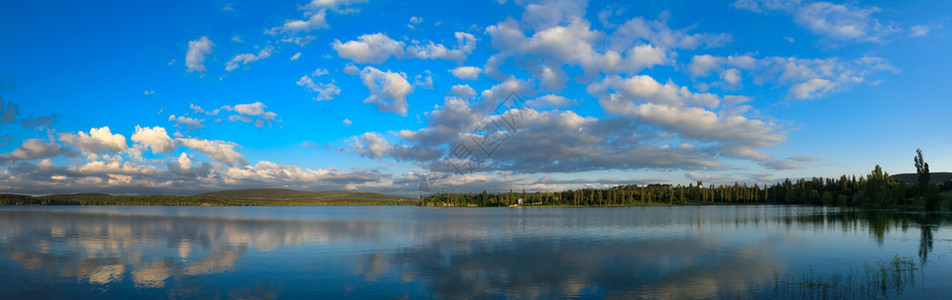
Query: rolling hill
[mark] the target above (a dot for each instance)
(250, 197)
(285, 195)
(937, 178)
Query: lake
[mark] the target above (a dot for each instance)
(416, 252)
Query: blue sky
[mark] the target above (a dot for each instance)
(185, 97)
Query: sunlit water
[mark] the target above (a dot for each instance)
(412, 252)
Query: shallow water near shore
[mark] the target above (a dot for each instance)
(413, 252)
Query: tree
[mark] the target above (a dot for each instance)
(925, 186)
(922, 169)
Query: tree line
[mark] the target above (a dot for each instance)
(876, 189)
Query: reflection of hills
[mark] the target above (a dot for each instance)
(674, 252)
(103, 248)
(675, 268)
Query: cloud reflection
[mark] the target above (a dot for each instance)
(676, 252)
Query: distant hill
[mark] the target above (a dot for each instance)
(302, 196)
(937, 178)
(252, 197)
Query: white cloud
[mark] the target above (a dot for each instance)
(369, 48)
(550, 141)
(462, 91)
(325, 91)
(548, 51)
(97, 167)
(35, 149)
(156, 138)
(371, 144)
(512, 87)
(807, 78)
(466, 43)
(388, 89)
(466, 73)
(677, 111)
(316, 20)
(251, 113)
(658, 33)
(199, 109)
(195, 56)
(811, 88)
(347, 122)
(703, 64)
(836, 21)
(98, 139)
(416, 20)
(296, 56)
(424, 82)
(644, 88)
(762, 6)
(351, 70)
(546, 14)
(731, 76)
(150, 92)
(377, 48)
(221, 151)
(336, 5)
(183, 162)
(186, 122)
(247, 58)
(550, 101)
(918, 31)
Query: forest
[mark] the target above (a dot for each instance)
(876, 189)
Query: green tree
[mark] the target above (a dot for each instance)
(924, 178)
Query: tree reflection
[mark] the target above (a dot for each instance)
(664, 252)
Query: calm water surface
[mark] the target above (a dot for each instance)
(412, 252)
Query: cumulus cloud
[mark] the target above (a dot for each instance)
(462, 91)
(811, 88)
(688, 116)
(836, 21)
(466, 43)
(10, 114)
(377, 48)
(659, 34)
(369, 48)
(251, 113)
(550, 101)
(466, 72)
(633, 47)
(36, 149)
(550, 141)
(336, 5)
(388, 89)
(325, 91)
(314, 21)
(195, 55)
(806, 78)
(247, 58)
(512, 87)
(199, 109)
(156, 138)
(221, 151)
(546, 14)
(186, 122)
(97, 140)
(371, 144)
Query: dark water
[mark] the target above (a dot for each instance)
(412, 252)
